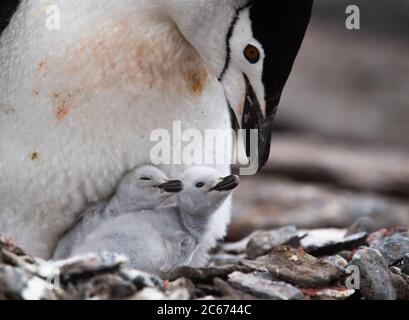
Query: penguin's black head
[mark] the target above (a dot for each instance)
(262, 43)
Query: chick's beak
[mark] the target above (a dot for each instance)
(228, 183)
(172, 186)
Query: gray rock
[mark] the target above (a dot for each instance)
(207, 289)
(400, 283)
(18, 284)
(330, 247)
(335, 293)
(205, 275)
(332, 293)
(222, 259)
(9, 245)
(107, 287)
(364, 224)
(85, 264)
(405, 264)
(230, 293)
(149, 294)
(378, 237)
(141, 279)
(255, 265)
(337, 261)
(181, 289)
(239, 247)
(300, 268)
(347, 255)
(12, 282)
(394, 248)
(264, 288)
(375, 279)
(206, 298)
(265, 241)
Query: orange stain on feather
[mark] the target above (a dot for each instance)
(42, 64)
(164, 61)
(105, 60)
(62, 112)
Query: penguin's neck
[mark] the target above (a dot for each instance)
(118, 205)
(195, 224)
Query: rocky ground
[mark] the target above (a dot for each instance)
(279, 264)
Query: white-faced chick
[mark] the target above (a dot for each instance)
(144, 188)
(204, 191)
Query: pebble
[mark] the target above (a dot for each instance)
(181, 289)
(264, 288)
(230, 293)
(375, 279)
(12, 282)
(206, 275)
(106, 287)
(400, 282)
(263, 242)
(149, 294)
(222, 259)
(377, 237)
(405, 264)
(337, 261)
(238, 247)
(335, 293)
(301, 269)
(364, 224)
(256, 265)
(80, 265)
(329, 247)
(394, 248)
(141, 279)
(16, 283)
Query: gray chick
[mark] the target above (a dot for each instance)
(144, 188)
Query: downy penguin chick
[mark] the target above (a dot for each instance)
(205, 190)
(144, 188)
(159, 240)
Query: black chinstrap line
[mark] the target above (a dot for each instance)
(229, 36)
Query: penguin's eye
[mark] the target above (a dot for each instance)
(146, 178)
(200, 185)
(252, 54)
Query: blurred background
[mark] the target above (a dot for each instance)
(341, 145)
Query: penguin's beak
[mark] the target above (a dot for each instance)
(226, 184)
(249, 115)
(254, 121)
(171, 186)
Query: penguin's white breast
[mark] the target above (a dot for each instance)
(83, 104)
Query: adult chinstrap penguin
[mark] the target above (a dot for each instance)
(78, 104)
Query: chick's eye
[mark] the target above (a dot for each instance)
(145, 178)
(199, 185)
(252, 54)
